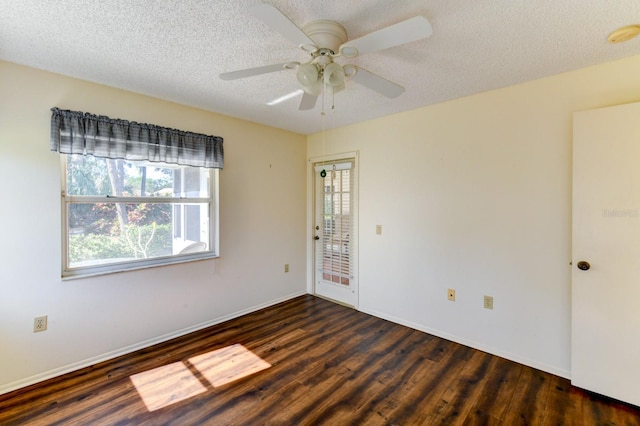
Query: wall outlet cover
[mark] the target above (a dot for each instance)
(39, 324)
(488, 302)
(451, 294)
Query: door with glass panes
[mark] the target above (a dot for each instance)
(335, 231)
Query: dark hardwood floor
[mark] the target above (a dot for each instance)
(328, 365)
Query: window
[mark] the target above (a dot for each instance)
(120, 214)
(134, 195)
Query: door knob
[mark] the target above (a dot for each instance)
(583, 265)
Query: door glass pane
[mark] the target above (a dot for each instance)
(334, 261)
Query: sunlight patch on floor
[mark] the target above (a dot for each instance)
(225, 365)
(172, 383)
(166, 385)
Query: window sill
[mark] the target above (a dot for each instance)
(116, 268)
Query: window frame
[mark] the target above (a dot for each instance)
(131, 265)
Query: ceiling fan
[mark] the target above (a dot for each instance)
(326, 40)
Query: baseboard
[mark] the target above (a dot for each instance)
(135, 347)
(473, 344)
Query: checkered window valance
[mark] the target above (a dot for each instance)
(74, 132)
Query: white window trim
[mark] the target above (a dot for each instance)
(117, 267)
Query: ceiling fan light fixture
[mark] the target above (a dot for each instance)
(338, 88)
(334, 75)
(314, 89)
(326, 40)
(308, 74)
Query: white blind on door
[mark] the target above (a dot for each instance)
(335, 216)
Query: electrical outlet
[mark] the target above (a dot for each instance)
(286, 267)
(451, 294)
(378, 229)
(488, 302)
(39, 324)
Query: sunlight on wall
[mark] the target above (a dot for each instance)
(175, 382)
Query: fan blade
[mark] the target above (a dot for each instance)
(377, 83)
(280, 23)
(307, 102)
(412, 29)
(250, 72)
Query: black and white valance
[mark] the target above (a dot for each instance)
(74, 132)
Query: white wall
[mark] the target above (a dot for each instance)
(475, 195)
(262, 215)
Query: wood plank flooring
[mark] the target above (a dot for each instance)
(309, 361)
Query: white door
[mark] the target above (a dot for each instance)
(335, 231)
(605, 343)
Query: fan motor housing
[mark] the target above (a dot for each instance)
(326, 34)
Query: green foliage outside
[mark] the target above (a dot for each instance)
(146, 231)
(139, 242)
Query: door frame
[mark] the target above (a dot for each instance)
(352, 155)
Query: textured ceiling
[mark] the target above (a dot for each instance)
(175, 50)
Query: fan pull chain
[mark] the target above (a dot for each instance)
(323, 135)
(322, 94)
(333, 98)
